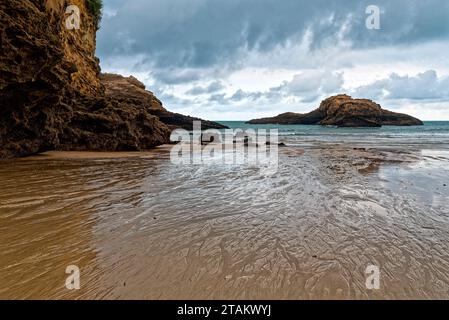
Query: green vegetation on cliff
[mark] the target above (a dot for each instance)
(95, 7)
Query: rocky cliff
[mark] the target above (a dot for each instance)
(51, 94)
(131, 89)
(344, 111)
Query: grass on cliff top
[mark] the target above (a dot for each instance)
(95, 7)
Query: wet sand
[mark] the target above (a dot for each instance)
(140, 227)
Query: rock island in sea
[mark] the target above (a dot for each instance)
(344, 111)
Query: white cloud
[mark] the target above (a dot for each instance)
(423, 86)
(314, 83)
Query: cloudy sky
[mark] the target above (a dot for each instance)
(242, 59)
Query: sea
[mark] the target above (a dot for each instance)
(432, 135)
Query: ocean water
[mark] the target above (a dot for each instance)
(432, 135)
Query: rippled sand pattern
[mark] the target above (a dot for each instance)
(141, 227)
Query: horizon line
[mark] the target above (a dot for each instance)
(445, 120)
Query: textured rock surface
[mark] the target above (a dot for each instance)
(344, 111)
(51, 95)
(131, 89)
(36, 78)
(112, 124)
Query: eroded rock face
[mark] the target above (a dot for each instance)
(35, 76)
(130, 89)
(110, 124)
(37, 47)
(52, 96)
(344, 111)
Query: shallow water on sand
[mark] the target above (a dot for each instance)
(138, 226)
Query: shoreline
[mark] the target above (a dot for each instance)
(80, 155)
(307, 231)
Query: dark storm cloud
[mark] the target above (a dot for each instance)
(204, 33)
(178, 76)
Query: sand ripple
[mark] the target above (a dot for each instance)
(140, 227)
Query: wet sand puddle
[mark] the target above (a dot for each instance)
(141, 227)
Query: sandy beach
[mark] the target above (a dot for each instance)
(140, 227)
(254, 154)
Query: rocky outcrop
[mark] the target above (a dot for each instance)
(109, 124)
(131, 89)
(51, 94)
(344, 111)
(389, 118)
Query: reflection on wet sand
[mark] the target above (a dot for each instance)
(141, 227)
